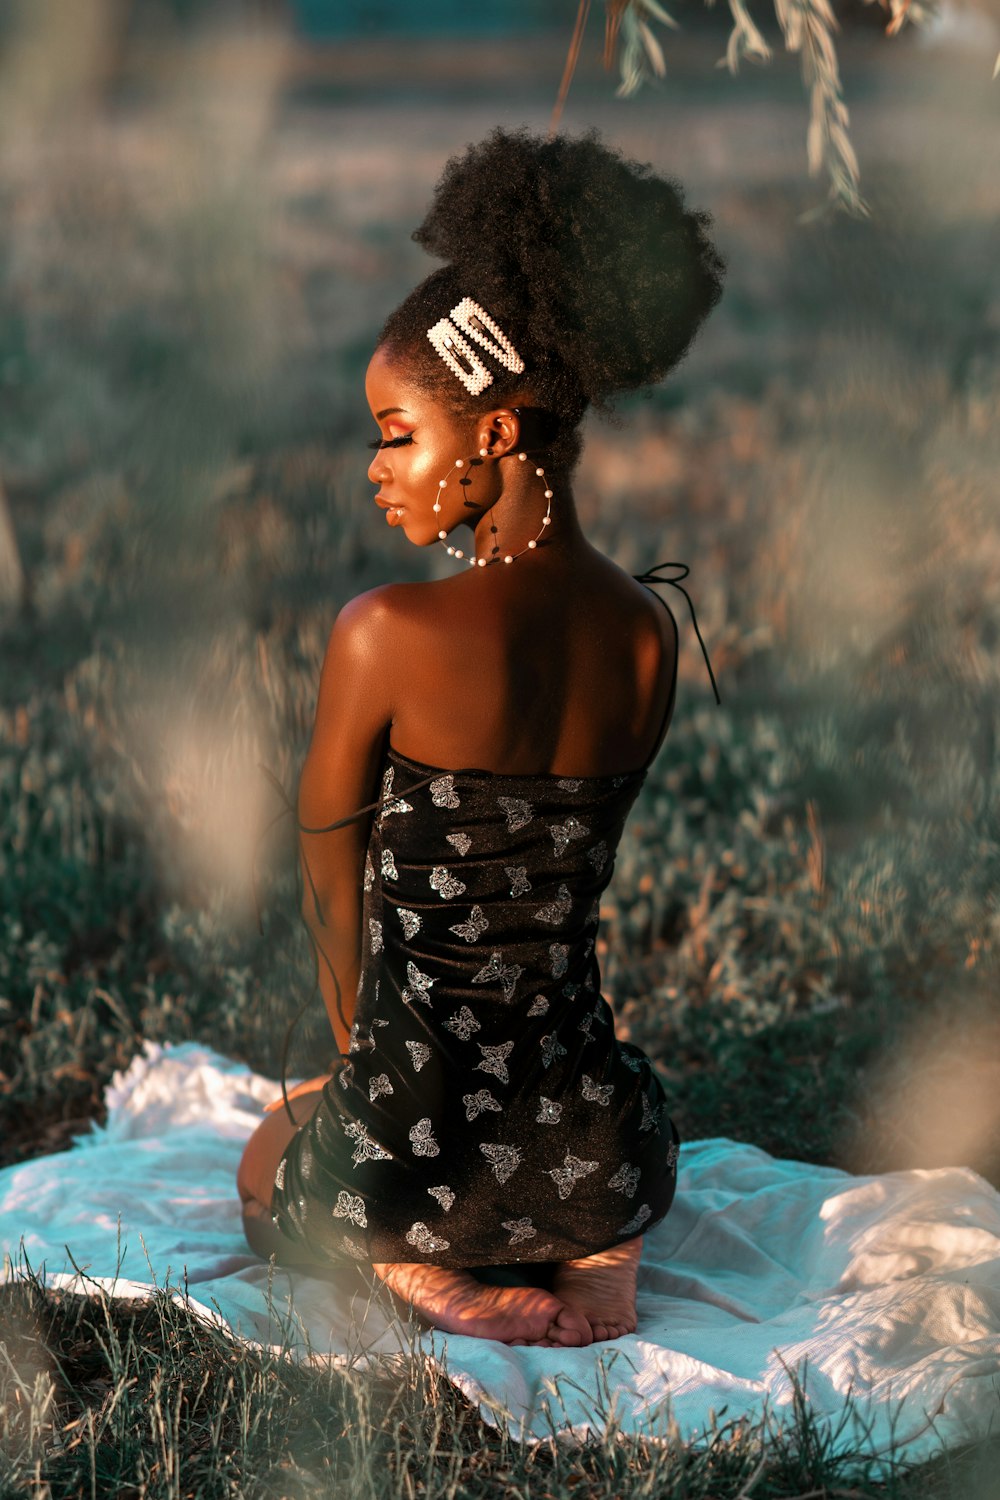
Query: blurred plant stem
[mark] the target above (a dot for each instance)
(11, 571)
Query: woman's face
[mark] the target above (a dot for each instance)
(420, 441)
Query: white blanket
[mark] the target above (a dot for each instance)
(887, 1288)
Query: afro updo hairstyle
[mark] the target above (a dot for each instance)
(588, 262)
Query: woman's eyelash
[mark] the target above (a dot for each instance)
(395, 442)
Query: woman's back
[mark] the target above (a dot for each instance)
(569, 669)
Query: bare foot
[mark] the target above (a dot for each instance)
(457, 1303)
(602, 1288)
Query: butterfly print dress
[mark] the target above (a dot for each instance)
(485, 1113)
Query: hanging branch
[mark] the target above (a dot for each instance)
(807, 27)
(570, 68)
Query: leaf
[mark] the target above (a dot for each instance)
(660, 14)
(653, 50)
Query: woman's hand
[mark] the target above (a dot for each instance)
(310, 1086)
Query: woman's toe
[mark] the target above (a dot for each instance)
(570, 1327)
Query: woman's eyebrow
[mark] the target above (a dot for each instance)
(388, 412)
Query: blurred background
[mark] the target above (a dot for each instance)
(205, 213)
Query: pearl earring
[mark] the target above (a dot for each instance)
(509, 557)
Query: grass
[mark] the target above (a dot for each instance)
(102, 1396)
(803, 924)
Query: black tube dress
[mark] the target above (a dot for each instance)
(486, 1113)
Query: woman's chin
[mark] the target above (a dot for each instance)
(420, 533)
(417, 532)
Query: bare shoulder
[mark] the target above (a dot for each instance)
(393, 610)
(364, 614)
(652, 613)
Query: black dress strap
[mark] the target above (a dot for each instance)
(650, 576)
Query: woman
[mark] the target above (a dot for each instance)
(482, 1111)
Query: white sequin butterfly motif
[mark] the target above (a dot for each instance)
(422, 1138)
(375, 932)
(625, 1180)
(636, 1222)
(650, 1116)
(559, 954)
(378, 1086)
(598, 856)
(461, 841)
(504, 1160)
(495, 1060)
(519, 812)
(463, 1023)
(507, 974)
(444, 1196)
(473, 928)
(476, 1103)
(548, 1111)
(557, 910)
(568, 1175)
(562, 833)
(443, 792)
(446, 885)
(419, 1054)
(349, 1206)
(369, 872)
(410, 920)
(519, 879)
(552, 1048)
(596, 1093)
(389, 871)
(365, 1149)
(391, 804)
(538, 1006)
(425, 1239)
(519, 1230)
(418, 986)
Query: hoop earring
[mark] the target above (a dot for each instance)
(460, 463)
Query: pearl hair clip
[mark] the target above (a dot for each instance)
(447, 336)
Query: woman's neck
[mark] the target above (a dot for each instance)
(515, 518)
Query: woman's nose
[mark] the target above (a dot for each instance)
(376, 469)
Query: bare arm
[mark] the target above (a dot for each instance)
(354, 711)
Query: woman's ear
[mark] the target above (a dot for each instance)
(501, 431)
